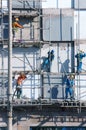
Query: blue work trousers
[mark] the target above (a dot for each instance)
(69, 90)
(79, 66)
(19, 92)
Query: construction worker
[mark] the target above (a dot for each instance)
(48, 61)
(80, 55)
(15, 26)
(20, 80)
(70, 86)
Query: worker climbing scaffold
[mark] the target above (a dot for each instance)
(15, 26)
(46, 65)
(80, 55)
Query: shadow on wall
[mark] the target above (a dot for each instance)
(64, 79)
(54, 92)
(65, 66)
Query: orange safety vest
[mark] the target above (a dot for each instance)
(16, 25)
(20, 79)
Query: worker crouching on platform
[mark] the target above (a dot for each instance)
(80, 55)
(48, 61)
(20, 80)
(70, 86)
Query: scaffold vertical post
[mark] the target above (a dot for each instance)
(79, 37)
(2, 53)
(40, 30)
(9, 108)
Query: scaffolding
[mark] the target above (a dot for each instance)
(39, 87)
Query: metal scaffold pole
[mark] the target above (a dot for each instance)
(9, 108)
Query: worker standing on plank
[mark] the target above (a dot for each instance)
(20, 80)
(15, 26)
(80, 55)
(70, 86)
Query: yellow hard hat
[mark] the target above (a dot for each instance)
(17, 19)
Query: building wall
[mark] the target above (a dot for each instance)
(64, 4)
(56, 22)
(49, 4)
(79, 19)
(80, 4)
(58, 4)
(79, 25)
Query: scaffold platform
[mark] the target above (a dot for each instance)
(44, 102)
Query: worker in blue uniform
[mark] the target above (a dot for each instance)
(70, 86)
(80, 55)
(48, 61)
